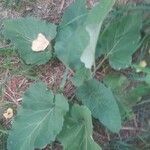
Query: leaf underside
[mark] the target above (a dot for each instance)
(93, 27)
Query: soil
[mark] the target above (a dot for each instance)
(52, 72)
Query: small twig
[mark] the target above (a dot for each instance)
(142, 139)
(61, 6)
(19, 100)
(144, 102)
(135, 122)
(11, 98)
(5, 46)
(65, 77)
(108, 135)
(22, 82)
(12, 92)
(133, 129)
(99, 65)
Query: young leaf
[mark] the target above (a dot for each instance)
(24, 32)
(93, 26)
(101, 102)
(77, 130)
(39, 120)
(120, 40)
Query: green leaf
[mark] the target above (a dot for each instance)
(126, 93)
(39, 120)
(77, 31)
(72, 37)
(22, 32)
(75, 14)
(120, 40)
(135, 94)
(115, 81)
(70, 44)
(101, 102)
(118, 84)
(93, 27)
(77, 130)
(82, 74)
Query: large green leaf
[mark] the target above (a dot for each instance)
(77, 130)
(22, 32)
(70, 44)
(93, 26)
(78, 34)
(39, 120)
(75, 14)
(72, 37)
(120, 40)
(101, 102)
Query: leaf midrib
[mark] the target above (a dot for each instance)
(73, 20)
(30, 135)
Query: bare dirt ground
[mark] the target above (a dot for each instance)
(15, 82)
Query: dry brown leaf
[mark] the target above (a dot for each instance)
(8, 114)
(40, 44)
